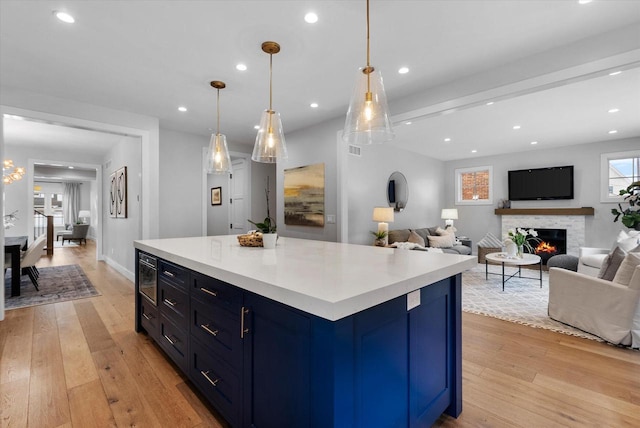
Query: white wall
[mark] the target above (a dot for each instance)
(367, 188)
(476, 221)
(119, 233)
(218, 215)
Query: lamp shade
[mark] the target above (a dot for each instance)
(449, 214)
(383, 214)
(270, 145)
(218, 159)
(368, 115)
(83, 214)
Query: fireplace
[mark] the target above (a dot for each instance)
(551, 242)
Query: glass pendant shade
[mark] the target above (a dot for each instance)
(270, 145)
(368, 115)
(218, 159)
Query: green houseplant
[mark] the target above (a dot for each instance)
(630, 217)
(268, 225)
(380, 237)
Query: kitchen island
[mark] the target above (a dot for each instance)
(311, 333)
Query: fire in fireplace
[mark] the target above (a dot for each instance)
(551, 242)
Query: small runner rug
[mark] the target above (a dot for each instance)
(56, 283)
(522, 301)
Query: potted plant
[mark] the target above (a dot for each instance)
(381, 238)
(267, 226)
(517, 241)
(630, 217)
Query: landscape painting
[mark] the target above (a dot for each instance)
(304, 196)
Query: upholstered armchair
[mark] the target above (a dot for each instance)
(78, 233)
(607, 309)
(591, 260)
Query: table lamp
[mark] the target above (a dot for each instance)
(448, 215)
(84, 215)
(384, 216)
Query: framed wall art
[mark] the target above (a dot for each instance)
(216, 196)
(304, 195)
(118, 193)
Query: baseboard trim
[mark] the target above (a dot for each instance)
(121, 269)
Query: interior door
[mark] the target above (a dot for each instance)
(238, 206)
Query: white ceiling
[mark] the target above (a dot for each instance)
(149, 57)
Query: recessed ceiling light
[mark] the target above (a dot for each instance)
(516, 126)
(490, 103)
(614, 110)
(584, 1)
(313, 105)
(256, 127)
(403, 70)
(447, 139)
(613, 131)
(311, 18)
(182, 109)
(241, 67)
(71, 167)
(474, 151)
(408, 122)
(615, 73)
(534, 143)
(64, 17)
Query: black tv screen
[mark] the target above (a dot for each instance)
(541, 184)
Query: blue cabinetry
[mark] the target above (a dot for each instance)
(264, 364)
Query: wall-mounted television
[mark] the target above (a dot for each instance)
(537, 184)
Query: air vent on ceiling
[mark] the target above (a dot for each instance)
(354, 150)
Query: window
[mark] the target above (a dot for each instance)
(474, 186)
(617, 172)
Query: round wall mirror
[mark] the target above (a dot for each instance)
(397, 191)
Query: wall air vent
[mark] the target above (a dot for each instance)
(354, 150)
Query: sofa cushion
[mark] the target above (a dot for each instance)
(627, 240)
(416, 239)
(399, 235)
(626, 269)
(423, 233)
(444, 241)
(611, 264)
(593, 260)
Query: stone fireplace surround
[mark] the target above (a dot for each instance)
(575, 224)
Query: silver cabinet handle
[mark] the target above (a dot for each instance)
(206, 375)
(173, 342)
(147, 317)
(206, 328)
(209, 292)
(170, 302)
(169, 274)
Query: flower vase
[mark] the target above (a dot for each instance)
(511, 249)
(269, 240)
(520, 251)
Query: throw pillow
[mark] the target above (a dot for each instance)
(626, 269)
(416, 239)
(448, 231)
(398, 235)
(489, 241)
(611, 264)
(627, 240)
(444, 241)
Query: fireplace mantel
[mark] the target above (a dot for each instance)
(545, 211)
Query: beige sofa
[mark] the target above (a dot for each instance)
(606, 309)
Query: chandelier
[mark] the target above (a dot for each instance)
(9, 175)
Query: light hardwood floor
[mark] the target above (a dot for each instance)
(80, 364)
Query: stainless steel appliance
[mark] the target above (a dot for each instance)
(148, 277)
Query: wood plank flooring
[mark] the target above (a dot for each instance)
(80, 364)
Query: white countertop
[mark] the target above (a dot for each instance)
(327, 279)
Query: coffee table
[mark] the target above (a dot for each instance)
(504, 259)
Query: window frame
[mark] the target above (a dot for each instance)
(605, 158)
(458, 177)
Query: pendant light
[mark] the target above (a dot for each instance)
(368, 115)
(218, 160)
(270, 146)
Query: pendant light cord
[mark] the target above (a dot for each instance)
(218, 111)
(368, 55)
(270, 81)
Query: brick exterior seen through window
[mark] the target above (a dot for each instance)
(475, 185)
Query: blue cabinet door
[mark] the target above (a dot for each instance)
(277, 376)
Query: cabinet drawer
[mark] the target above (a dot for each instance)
(174, 303)
(174, 341)
(149, 317)
(175, 274)
(216, 292)
(217, 330)
(217, 381)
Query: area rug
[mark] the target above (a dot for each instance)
(522, 301)
(56, 283)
